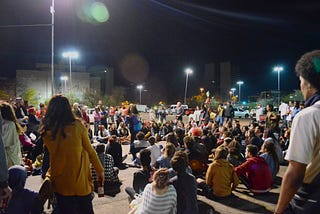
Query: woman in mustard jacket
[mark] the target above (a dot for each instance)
(70, 154)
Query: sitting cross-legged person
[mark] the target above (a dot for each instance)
(255, 173)
(114, 148)
(143, 176)
(186, 197)
(221, 178)
(197, 154)
(111, 180)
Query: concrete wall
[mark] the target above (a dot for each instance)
(225, 80)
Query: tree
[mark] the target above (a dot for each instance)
(91, 97)
(4, 95)
(32, 96)
(117, 96)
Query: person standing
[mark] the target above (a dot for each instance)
(179, 111)
(229, 112)
(4, 189)
(220, 114)
(10, 135)
(300, 184)
(283, 109)
(71, 153)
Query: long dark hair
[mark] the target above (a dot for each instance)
(7, 113)
(58, 115)
(271, 149)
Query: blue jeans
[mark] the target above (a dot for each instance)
(219, 120)
(74, 204)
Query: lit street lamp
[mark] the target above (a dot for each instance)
(278, 69)
(232, 89)
(70, 55)
(140, 87)
(187, 71)
(240, 83)
(64, 78)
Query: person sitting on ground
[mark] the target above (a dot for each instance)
(33, 122)
(235, 157)
(269, 154)
(171, 138)
(124, 133)
(159, 192)
(23, 200)
(154, 149)
(220, 176)
(164, 160)
(143, 176)
(255, 173)
(103, 134)
(114, 148)
(111, 179)
(186, 197)
(25, 140)
(139, 143)
(197, 155)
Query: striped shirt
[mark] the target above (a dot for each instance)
(163, 204)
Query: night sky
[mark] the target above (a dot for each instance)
(153, 41)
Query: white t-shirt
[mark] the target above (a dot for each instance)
(283, 108)
(304, 144)
(155, 153)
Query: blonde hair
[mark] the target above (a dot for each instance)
(169, 150)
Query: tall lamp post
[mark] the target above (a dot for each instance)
(70, 55)
(278, 69)
(140, 87)
(64, 78)
(187, 71)
(52, 46)
(240, 83)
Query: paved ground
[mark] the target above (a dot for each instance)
(242, 201)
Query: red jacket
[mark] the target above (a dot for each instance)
(258, 174)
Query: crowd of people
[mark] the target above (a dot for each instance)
(210, 154)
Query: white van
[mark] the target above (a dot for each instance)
(142, 108)
(172, 108)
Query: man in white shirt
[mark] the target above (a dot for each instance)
(303, 152)
(284, 108)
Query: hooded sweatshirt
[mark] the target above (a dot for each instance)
(221, 177)
(23, 200)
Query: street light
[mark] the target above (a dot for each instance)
(64, 78)
(278, 69)
(140, 87)
(70, 55)
(233, 90)
(187, 71)
(240, 83)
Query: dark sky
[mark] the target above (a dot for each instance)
(155, 40)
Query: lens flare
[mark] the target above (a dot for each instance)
(134, 68)
(99, 12)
